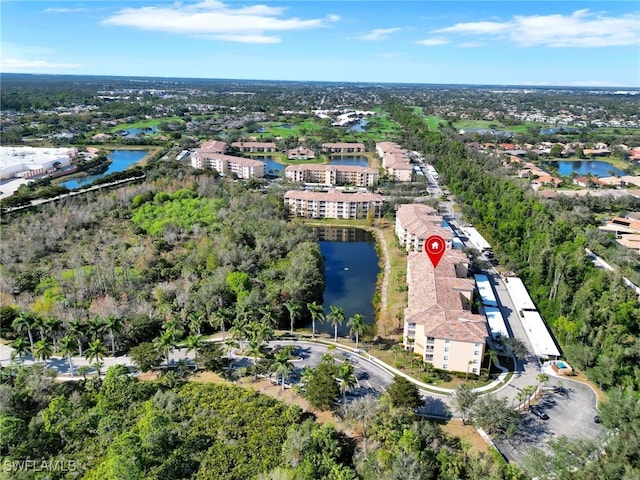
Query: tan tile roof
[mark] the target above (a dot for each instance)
(214, 146)
(254, 144)
(343, 145)
(332, 196)
(247, 162)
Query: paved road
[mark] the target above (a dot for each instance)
(372, 379)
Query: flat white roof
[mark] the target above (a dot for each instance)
(485, 290)
(478, 240)
(519, 295)
(496, 322)
(539, 336)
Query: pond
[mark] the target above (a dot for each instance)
(272, 168)
(120, 160)
(359, 126)
(357, 160)
(139, 131)
(585, 167)
(351, 272)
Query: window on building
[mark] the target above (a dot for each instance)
(446, 349)
(476, 353)
(445, 366)
(447, 340)
(446, 357)
(477, 345)
(474, 370)
(475, 361)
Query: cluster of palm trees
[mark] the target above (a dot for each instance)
(49, 336)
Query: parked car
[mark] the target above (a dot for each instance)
(538, 412)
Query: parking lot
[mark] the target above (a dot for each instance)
(570, 414)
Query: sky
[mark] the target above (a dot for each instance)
(530, 43)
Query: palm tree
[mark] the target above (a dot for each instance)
(255, 349)
(267, 316)
(76, 329)
(294, 310)
(229, 345)
(281, 365)
(20, 349)
(218, 319)
(259, 331)
(317, 313)
(165, 342)
(113, 325)
(42, 350)
(196, 319)
(336, 317)
(357, 326)
(53, 327)
(95, 353)
(23, 323)
(194, 342)
(347, 378)
(239, 330)
(37, 322)
(95, 328)
(542, 379)
(67, 348)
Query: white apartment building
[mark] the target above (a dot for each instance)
(333, 204)
(332, 174)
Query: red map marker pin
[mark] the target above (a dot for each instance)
(435, 246)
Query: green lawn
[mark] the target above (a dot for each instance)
(154, 122)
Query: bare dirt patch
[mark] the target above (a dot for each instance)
(466, 433)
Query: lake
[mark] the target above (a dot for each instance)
(585, 167)
(120, 160)
(351, 272)
(139, 131)
(357, 160)
(272, 167)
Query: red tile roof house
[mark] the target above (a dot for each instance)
(254, 146)
(343, 147)
(585, 181)
(300, 153)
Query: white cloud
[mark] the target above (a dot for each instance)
(432, 42)
(378, 34)
(29, 58)
(216, 20)
(471, 44)
(23, 65)
(64, 10)
(580, 29)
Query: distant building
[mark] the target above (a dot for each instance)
(228, 164)
(332, 174)
(254, 146)
(395, 160)
(333, 204)
(300, 153)
(343, 148)
(29, 162)
(214, 146)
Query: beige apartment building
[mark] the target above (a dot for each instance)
(332, 174)
(343, 148)
(415, 222)
(333, 204)
(252, 147)
(300, 153)
(213, 146)
(228, 164)
(395, 160)
(438, 322)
